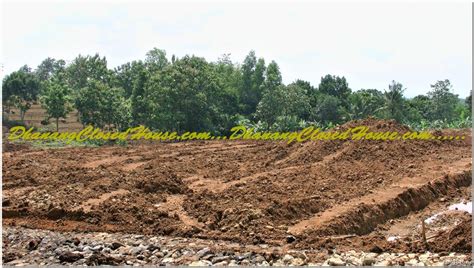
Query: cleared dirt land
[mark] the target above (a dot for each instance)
(316, 195)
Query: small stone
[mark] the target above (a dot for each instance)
(33, 244)
(298, 262)
(384, 263)
(220, 259)
(135, 250)
(259, 258)
(207, 257)
(97, 248)
(200, 263)
(176, 255)
(76, 241)
(6, 202)
(222, 263)
(202, 252)
(70, 257)
(424, 257)
(354, 261)
(167, 260)
(412, 262)
(247, 262)
(116, 245)
(287, 258)
(376, 249)
(290, 239)
(334, 261)
(101, 259)
(152, 247)
(159, 254)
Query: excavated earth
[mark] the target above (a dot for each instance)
(323, 196)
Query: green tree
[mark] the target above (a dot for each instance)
(273, 77)
(336, 86)
(183, 96)
(227, 97)
(469, 102)
(85, 69)
(48, 68)
(418, 108)
(326, 109)
(20, 89)
(101, 106)
(156, 60)
(394, 102)
(443, 102)
(364, 103)
(284, 101)
(56, 100)
(125, 76)
(309, 89)
(139, 101)
(249, 95)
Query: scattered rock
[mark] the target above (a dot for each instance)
(335, 261)
(116, 245)
(202, 252)
(220, 259)
(33, 244)
(376, 249)
(6, 202)
(298, 262)
(287, 258)
(70, 257)
(368, 261)
(200, 263)
(290, 239)
(101, 259)
(22, 246)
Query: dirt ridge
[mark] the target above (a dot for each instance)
(366, 217)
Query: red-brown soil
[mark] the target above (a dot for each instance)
(321, 193)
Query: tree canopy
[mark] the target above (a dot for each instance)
(193, 94)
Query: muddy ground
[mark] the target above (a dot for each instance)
(315, 195)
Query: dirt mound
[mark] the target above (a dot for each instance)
(163, 180)
(390, 152)
(379, 125)
(456, 239)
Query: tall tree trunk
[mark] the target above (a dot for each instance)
(57, 124)
(22, 116)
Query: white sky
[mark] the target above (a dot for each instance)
(369, 44)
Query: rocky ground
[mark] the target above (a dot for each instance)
(22, 246)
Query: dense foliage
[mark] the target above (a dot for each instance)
(192, 94)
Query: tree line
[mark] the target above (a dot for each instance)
(192, 94)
